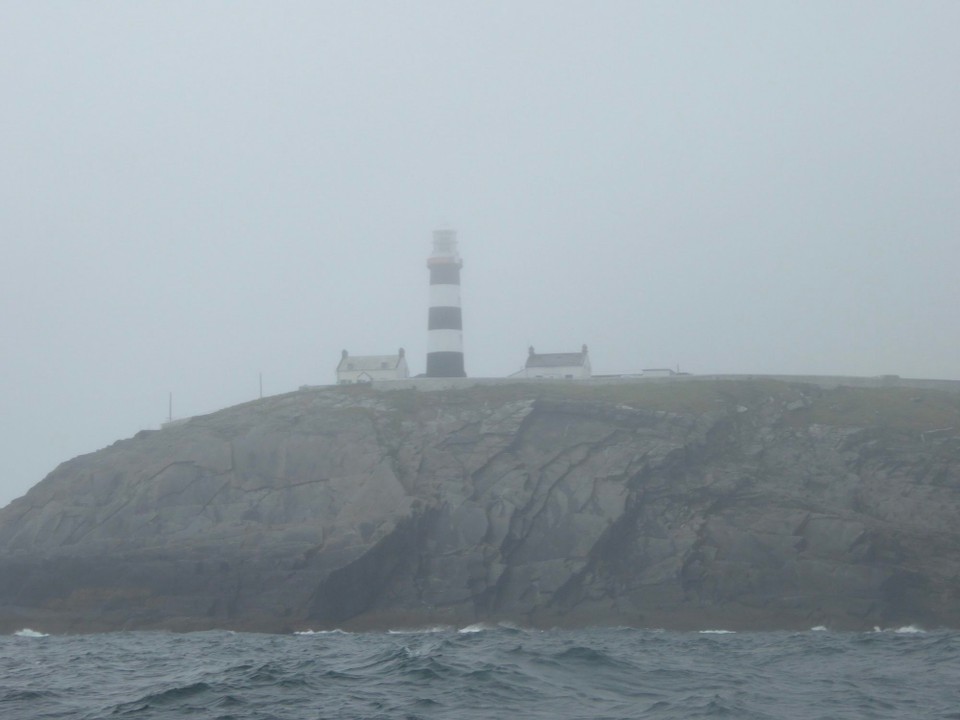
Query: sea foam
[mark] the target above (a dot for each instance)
(27, 632)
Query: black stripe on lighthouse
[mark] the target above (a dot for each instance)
(445, 364)
(445, 318)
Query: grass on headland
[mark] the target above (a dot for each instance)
(903, 408)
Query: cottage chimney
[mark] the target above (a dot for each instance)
(401, 353)
(531, 352)
(584, 349)
(343, 354)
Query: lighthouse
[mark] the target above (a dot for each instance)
(445, 325)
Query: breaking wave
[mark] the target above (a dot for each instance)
(27, 632)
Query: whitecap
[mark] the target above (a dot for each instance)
(500, 625)
(478, 627)
(27, 632)
(905, 630)
(718, 632)
(818, 628)
(909, 630)
(418, 631)
(336, 631)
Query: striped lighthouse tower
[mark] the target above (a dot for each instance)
(445, 341)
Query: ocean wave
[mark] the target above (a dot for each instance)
(10, 696)
(27, 632)
(718, 632)
(555, 673)
(502, 627)
(180, 696)
(419, 631)
(903, 630)
(910, 630)
(476, 628)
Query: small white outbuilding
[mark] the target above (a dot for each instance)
(367, 368)
(575, 365)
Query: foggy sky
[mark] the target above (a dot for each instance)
(195, 193)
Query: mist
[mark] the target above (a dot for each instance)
(200, 195)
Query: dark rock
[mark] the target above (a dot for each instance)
(662, 505)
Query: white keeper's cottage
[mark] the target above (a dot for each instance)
(367, 368)
(575, 365)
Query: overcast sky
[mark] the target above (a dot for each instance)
(195, 193)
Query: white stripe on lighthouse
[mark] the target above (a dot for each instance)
(445, 341)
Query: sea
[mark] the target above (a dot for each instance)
(483, 672)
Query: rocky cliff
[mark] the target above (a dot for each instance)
(751, 504)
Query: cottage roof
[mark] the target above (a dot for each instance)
(542, 360)
(359, 363)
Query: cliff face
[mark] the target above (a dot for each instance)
(658, 504)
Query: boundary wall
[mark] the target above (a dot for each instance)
(824, 381)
